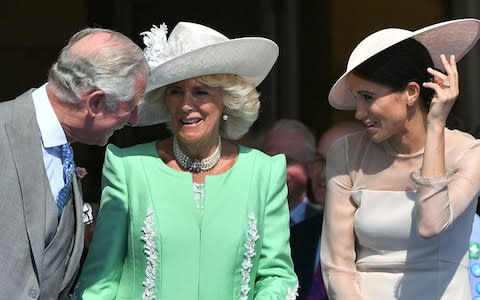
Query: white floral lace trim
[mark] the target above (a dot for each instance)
(252, 237)
(150, 251)
(199, 195)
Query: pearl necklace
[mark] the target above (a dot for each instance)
(195, 165)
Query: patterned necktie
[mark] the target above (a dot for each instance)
(317, 290)
(68, 168)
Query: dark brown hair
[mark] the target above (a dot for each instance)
(398, 65)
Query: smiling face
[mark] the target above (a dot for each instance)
(195, 111)
(382, 111)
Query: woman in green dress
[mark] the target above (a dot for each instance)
(195, 216)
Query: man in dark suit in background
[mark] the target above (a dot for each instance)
(93, 89)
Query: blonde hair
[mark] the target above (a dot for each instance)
(241, 100)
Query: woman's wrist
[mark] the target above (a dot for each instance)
(435, 126)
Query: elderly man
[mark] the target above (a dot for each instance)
(93, 89)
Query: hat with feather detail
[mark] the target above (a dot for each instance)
(193, 50)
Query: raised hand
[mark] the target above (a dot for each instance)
(446, 90)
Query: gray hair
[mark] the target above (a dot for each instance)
(240, 97)
(110, 69)
(300, 129)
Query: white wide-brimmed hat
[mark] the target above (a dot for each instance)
(455, 37)
(193, 50)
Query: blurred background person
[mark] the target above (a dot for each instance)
(326, 139)
(295, 140)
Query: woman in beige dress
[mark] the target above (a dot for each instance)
(401, 196)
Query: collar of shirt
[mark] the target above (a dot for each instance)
(50, 129)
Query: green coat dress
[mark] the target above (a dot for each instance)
(151, 242)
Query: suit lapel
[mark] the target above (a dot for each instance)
(24, 138)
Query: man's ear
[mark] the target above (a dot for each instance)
(95, 102)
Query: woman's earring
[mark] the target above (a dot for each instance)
(225, 117)
(410, 103)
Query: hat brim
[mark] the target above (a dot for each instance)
(455, 37)
(251, 57)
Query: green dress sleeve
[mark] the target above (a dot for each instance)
(102, 270)
(276, 278)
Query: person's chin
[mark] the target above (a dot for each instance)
(103, 141)
(377, 138)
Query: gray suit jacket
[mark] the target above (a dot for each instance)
(38, 258)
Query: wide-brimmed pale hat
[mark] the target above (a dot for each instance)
(454, 37)
(193, 50)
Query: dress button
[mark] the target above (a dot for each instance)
(475, 270)
(33, 293)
